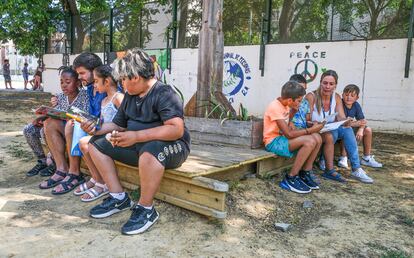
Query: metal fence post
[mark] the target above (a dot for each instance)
(111, 30)
(72, 35)
(265, 34)
(174, 22)
(409, 43)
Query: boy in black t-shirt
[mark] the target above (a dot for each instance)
(363, 133)
(148, 131)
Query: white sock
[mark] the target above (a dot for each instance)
(118, 196)
(366, 157)
(146, 207)
(343, 157)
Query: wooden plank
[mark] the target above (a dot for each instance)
(234, 174)
(218, 138)
(214, 126)
(184, 204)
(243, 133)
(202, 195)
(272, 166)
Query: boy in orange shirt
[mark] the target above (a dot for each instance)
(282, 141)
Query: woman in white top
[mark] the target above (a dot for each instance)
(324, 102)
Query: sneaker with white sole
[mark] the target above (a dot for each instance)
(360, 175)
(141, 219)
(294, 184)
(371, 162)
(343, 162)
(110, 206)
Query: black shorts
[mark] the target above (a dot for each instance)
(169, 154)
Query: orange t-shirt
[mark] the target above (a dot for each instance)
(275, 111)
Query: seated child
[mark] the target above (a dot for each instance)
(104, 83)
(363, 133)
(283, 141)
(299, 116)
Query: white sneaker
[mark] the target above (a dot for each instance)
(322, 165)
(360, 175)
(343, 162)
(371, 162)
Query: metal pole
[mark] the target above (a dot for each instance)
(332, 16)
(90, 33)
(72, 35)
(250, 26)
(409, 44)
(268, 21)
(140, 29)
(111, 30)
(174, 22)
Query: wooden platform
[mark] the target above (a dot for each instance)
(200, 184)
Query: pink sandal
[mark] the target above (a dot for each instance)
(83, 188)
(94, 194)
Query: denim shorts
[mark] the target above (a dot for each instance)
(280, 147)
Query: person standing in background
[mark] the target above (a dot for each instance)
(6, 74)
(25, 73)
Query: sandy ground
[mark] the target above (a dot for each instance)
(353, 220)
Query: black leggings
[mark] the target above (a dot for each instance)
(170, 154)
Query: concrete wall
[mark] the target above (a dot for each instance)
(377, 67)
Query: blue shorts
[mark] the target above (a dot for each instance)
(280, 147)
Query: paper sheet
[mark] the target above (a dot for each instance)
(332, 126)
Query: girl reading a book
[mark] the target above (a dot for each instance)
(72, 95)
(104, 82)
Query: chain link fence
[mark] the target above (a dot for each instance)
(290, 21)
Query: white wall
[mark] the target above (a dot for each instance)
(389, 97)
(377, 67)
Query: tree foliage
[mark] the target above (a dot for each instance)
(30, 23)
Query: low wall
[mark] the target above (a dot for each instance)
(376, 66)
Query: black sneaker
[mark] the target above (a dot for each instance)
(35, 170)
(110, 206)
(141, 219)
(306, 178)
(48, 171)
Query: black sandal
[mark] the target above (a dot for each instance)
(69, 185)
(48, 171)
(51, 182)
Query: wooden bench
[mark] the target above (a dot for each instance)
(220, 152)
(200, 184)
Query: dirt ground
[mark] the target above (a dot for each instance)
(352, 220)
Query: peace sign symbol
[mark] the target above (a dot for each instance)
(309, 69)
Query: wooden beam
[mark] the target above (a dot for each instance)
(273, 166)
(199, 194)
(210, 55)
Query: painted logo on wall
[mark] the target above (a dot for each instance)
(237, 75)
(306, 66)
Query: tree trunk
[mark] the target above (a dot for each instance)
(79, 33)
(210, 55)
(182, 24)
(285, 19)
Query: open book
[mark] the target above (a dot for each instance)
(51, 112)
(332, 126)
(73, 113)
